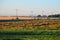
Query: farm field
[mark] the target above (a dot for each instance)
(30, 35)
(29, 24)
(36, 29)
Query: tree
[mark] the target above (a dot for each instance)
(38, 15)
(56, 15)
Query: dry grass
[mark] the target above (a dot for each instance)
(41, 23)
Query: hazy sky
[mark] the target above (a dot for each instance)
(29, 7)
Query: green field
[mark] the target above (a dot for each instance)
(31, 37)
(30, 34)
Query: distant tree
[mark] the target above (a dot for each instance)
(44, 16)
(38, 15)
(56, 15)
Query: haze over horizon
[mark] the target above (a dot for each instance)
(29, 7)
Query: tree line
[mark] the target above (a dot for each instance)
(56, 15)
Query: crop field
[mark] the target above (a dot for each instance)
(35, 23)
(36, 29)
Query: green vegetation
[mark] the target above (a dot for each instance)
(34, 38)
(42, 29)
(30, 34)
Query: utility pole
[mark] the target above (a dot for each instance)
(17, 14)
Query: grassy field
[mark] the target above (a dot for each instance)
(33, 38)
(40, 29)
(30, 35)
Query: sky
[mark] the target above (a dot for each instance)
(29, 7)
